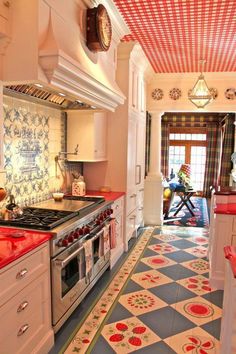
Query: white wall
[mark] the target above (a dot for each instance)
(220, 81)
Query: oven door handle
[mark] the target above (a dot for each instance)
(93, 237)
(64, 262)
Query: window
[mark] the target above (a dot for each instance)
(188, 146)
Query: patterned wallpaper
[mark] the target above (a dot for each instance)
(33, 136)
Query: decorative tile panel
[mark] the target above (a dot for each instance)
(32, 138)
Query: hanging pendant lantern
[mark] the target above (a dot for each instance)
(200, 95)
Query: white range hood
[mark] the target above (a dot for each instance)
(48, 46)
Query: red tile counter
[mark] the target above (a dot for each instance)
(229, 208)
(107, 195)
(12, 248)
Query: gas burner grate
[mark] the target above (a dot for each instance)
(40, 219)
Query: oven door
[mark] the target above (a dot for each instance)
(68, 280)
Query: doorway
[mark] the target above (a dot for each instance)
(188, 146)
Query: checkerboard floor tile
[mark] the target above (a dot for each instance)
(150, 279)
(166, 237)
(198, 310)
(198, 251)
(166, 304)
(157, 261)
(198, 265)
(197, 284)
(141, 301)
(128, 335)
(195, 340)
(163, 248)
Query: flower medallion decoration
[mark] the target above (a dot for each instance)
(198, 309)
(230, 93)
(175, 94)
(213, 92)
(157, 94)
(197, 345)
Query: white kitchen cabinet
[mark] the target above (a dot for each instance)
(118, 214)
(222, 233)
(88, 130)
(25, 304)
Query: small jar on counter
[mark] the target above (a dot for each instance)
(78, 187)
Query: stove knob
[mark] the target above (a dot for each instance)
(105, 214)
(71, 237)
(111, 211)
(80, 231)
(86, 230)
(98, 222)
(76, 234)
(64, 242)
(101, 218)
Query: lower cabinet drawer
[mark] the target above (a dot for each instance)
(17, 311)
(26, 325)
(130, 225)
(131, 201)
(17, 277)
(139, 218)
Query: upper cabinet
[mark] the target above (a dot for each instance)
(137, 101)
(88, 131)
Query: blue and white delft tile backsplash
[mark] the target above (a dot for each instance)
(33, 135)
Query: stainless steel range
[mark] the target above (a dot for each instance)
(79, 248)
(73, 273)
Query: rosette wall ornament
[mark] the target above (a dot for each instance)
(200, 95)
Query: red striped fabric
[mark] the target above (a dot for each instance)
(176, 34)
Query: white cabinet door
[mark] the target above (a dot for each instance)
(140, 152)
(131, 154)
(100, 136)
(221, 236)
(87, 129)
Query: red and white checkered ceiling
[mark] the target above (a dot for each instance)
(176, 34)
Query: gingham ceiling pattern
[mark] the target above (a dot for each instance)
(177, 34)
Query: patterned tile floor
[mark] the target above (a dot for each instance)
(159, 301)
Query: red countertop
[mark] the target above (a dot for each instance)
(12, 248)
(107, 195)
(228, 208)
(230, 254)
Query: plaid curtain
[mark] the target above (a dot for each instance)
(212, 158)
(164, 148)
(227, 150)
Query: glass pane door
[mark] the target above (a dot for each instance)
(198, 161)
(176, 157)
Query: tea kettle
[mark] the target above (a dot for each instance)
(11, 203)
(12, 208)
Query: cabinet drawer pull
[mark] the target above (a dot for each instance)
(132, 217)
(22, 306)
(22, 330)
(22, 273)
(140, 208)
(117, 206)
(133, 195)
(141, 190)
